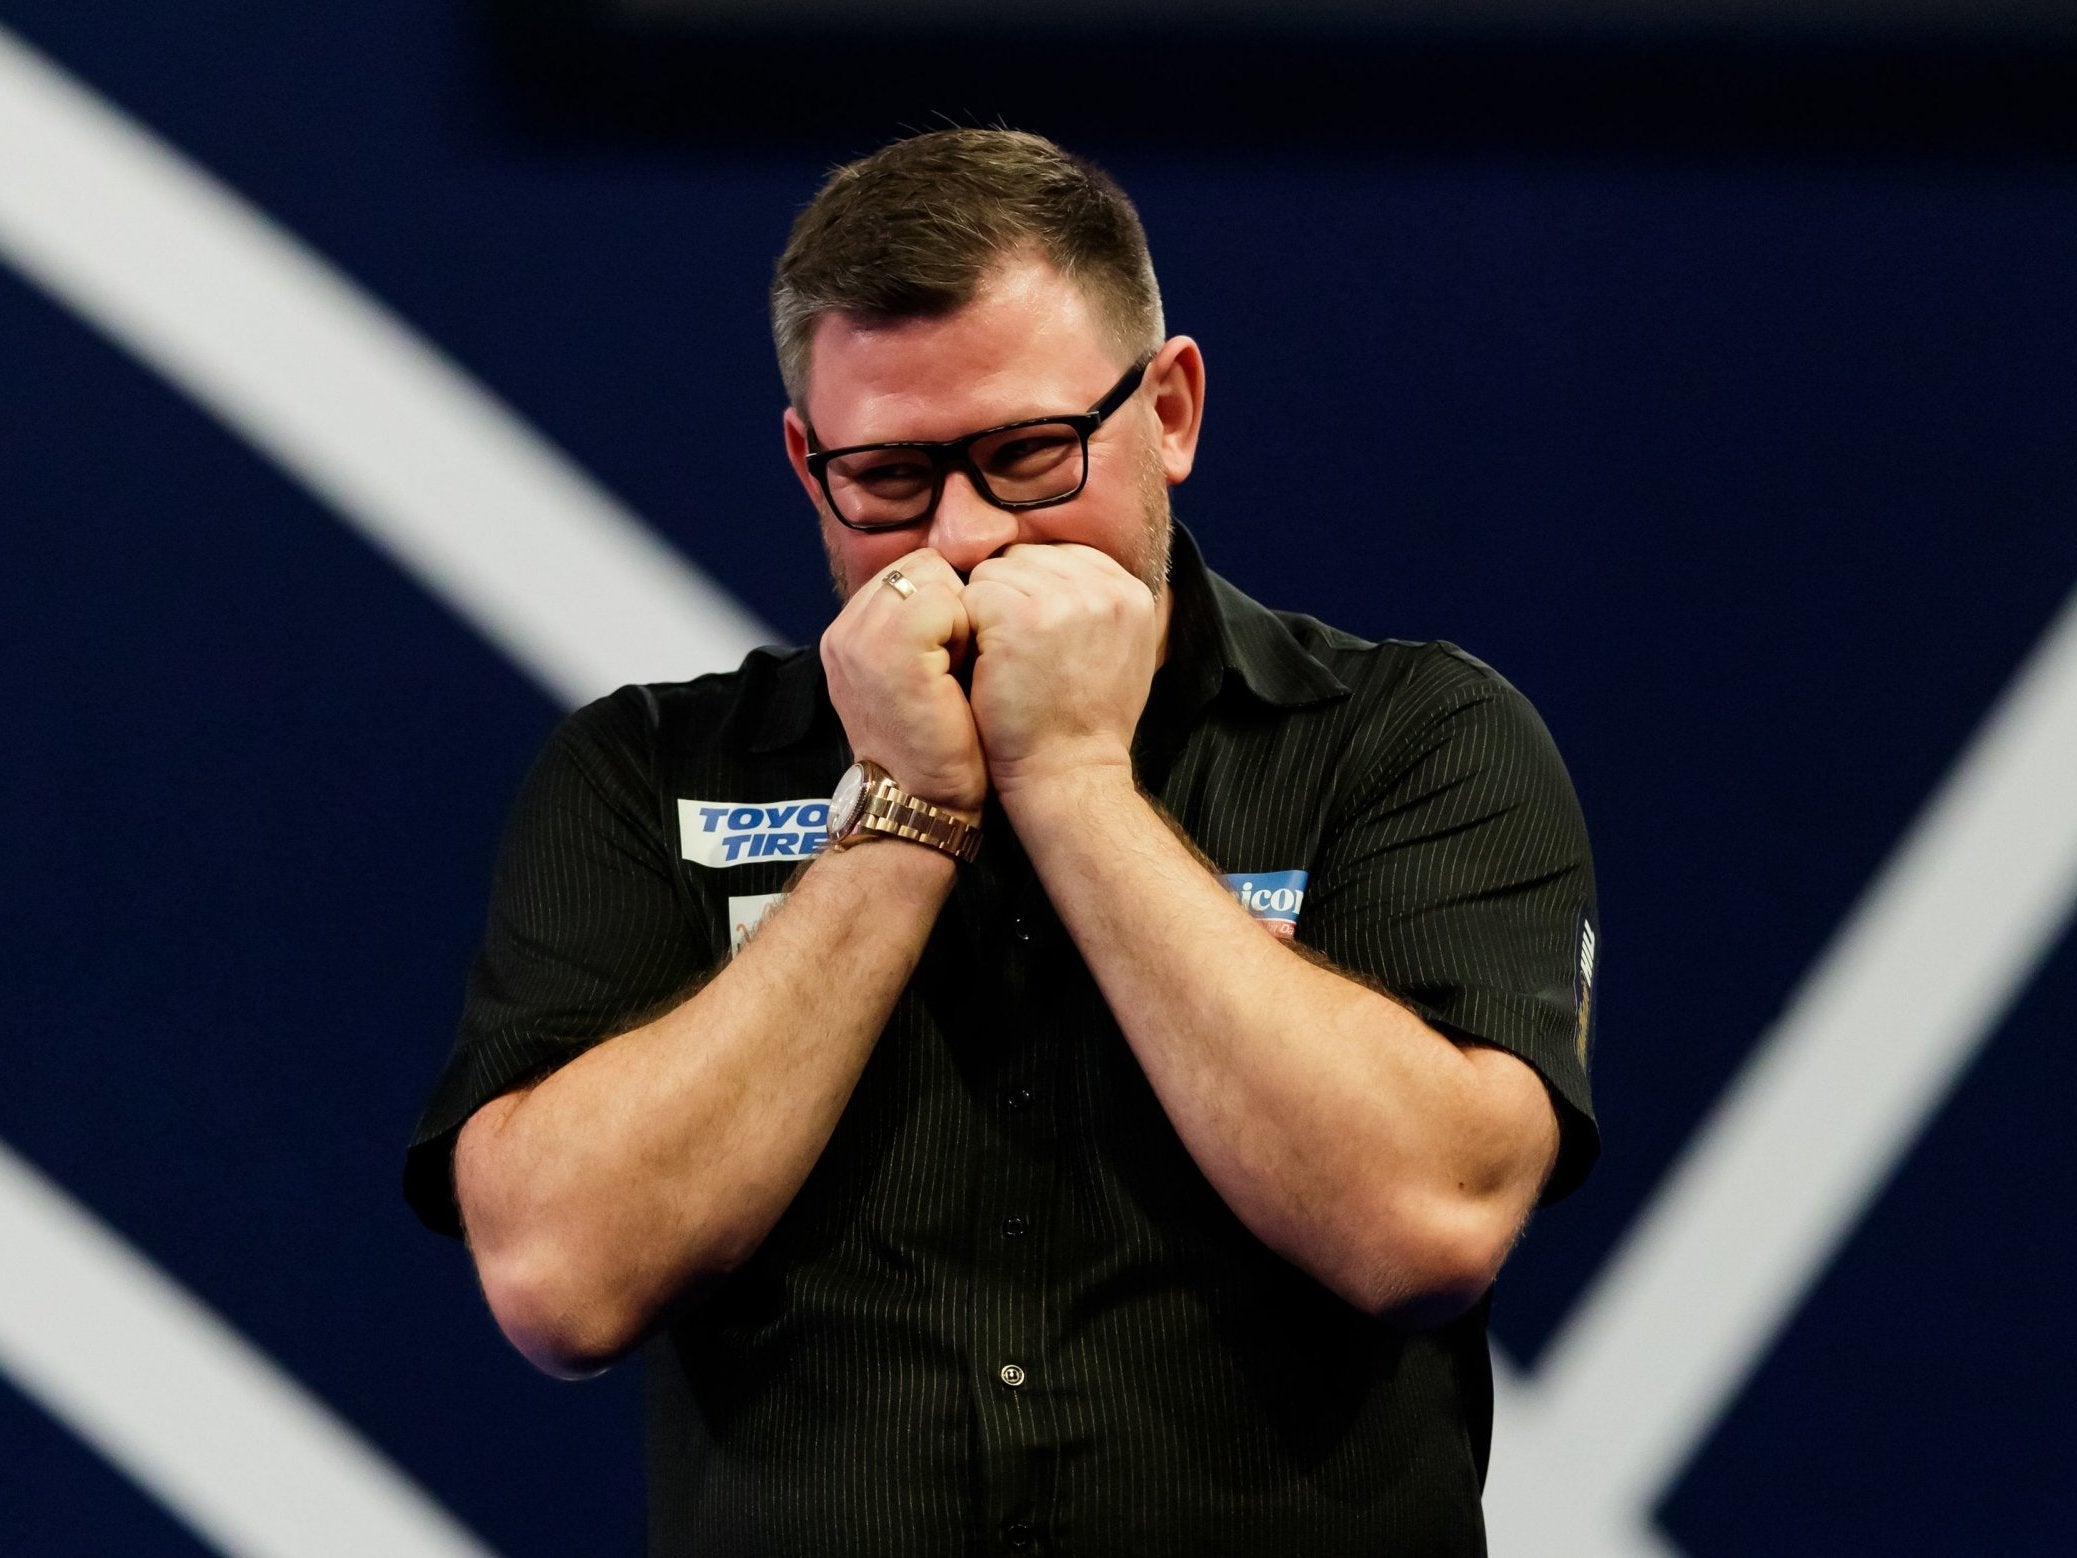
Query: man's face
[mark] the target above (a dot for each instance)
(1028, 345)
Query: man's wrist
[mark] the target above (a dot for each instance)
(870, 804)
(1058, 793)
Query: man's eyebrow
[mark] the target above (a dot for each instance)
(1042, 415)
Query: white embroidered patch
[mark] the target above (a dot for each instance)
(745, 914)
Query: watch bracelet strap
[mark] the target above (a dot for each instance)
(903, 816)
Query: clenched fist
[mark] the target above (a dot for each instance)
(892, 663)
(1065, 645)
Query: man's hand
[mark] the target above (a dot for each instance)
(1065, 644)
(892, 662)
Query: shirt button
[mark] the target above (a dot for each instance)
(1016, 1536)
(1013, 1226)
(1018, 1098)
(1020, 927)
(1011, 1375)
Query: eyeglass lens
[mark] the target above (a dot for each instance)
(1031, 464)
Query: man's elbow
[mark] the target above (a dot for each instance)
(1436, 1267)
(1444, 1238)
(1423, 1300)
(556, 1326)
(571, 1298)
(574, 1309)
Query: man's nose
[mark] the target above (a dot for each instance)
(967, 528)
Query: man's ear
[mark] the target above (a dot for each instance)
(1177, 373)
(797, 457)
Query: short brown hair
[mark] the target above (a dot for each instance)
(912, 230)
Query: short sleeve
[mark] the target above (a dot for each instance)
(1459, 877)
(588, 934)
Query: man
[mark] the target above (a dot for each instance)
(1021, 1184)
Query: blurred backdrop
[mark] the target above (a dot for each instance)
(376, 379)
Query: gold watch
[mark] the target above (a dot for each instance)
(869, 804)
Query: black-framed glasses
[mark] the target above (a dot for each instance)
(1031, 464)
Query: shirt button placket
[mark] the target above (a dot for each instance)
(1008, 1243)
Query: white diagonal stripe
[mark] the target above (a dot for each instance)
(319, 376)
(159, 1385)
(1920, 975)
(178, 270)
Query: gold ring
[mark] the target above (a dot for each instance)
(895, 582)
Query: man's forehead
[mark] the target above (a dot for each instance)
(1028, 337)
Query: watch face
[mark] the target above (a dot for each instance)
(844, 805)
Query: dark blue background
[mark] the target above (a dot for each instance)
(1755, 470)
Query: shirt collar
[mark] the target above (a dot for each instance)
(1213, 630)
(798, 694)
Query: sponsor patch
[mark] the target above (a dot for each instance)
(745, 914)
(1583, 986)
(1272, 897)
(735, 833)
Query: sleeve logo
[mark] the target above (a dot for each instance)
(1583, 989)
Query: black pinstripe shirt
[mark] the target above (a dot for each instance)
(1006, 1313)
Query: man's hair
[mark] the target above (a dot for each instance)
(912, 231)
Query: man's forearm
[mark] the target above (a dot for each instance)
(1394, 1165)
(660, 1158)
